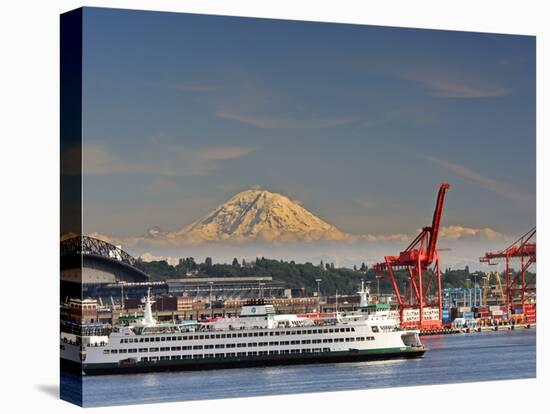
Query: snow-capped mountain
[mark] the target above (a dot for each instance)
(258, 215)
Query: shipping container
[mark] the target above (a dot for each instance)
(517, 311)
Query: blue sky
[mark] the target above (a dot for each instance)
(360, 123)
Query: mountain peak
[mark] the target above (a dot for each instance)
(258, 214)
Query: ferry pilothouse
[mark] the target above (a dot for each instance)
(258, 336)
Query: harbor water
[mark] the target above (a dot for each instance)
(455, 358)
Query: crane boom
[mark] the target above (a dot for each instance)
(436, 221)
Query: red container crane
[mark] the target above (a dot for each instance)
(524, 249)
(417, 260)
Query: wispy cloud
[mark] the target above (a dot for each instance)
(445, 85)
(462, 232)
(490, 184)
(222, 153)
(283, 122)
(176, 162)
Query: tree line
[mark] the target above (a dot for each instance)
(299, 275)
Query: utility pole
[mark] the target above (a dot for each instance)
(319, 292)
(211, 309)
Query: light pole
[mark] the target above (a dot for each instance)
(378, 277)
(211, 309)
(319, 292)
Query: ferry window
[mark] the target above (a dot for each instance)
(374, 328)
(273, 352)
(174, 338)
(294, 351)
(201, 336)
(239, 335)
(140, 339)
(146, 339)
(142, 349)
(271, 334)
(186, 348)
(305, 350)
(253, 353)
(208, 346)
(197, 347)
(153, 349)
(164, 349)
(144, 359)
(223, 335)
(217, 336)
(277, 333)
(164, 358)
(314, 331)
(294, 342)
(353, 329)
(306, 341)
(241, 345)
(132, 351)
(114, 351)
(122, 351)
(234, 335)
(309, 331)
(106, 351)
(255, 333)
(241, 353)
(179, 338)
(218, 346)
(331, 330)
(284, 343)
(157, 339)
(252, 344)
(176, 348)
(274, 343)
(175, 357)
(230, 346)
(163, 338)
(316, 341)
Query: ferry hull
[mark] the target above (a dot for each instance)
(237, 362)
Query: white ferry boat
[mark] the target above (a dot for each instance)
(257, 337)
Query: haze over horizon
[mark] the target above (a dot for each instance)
(359, 123)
